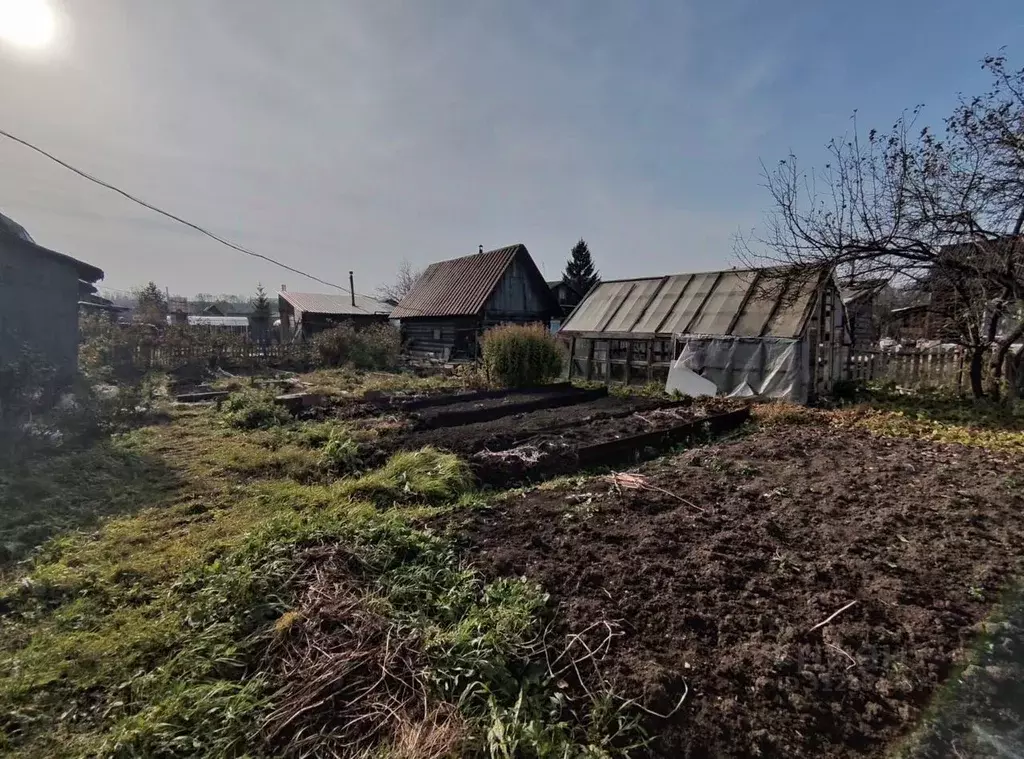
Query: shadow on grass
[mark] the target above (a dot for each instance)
(948, 408)
(51, 492)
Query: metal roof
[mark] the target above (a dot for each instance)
(334, 305)
(218, 321)
(738, 303)
(461, 286)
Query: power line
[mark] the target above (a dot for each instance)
(173, 217)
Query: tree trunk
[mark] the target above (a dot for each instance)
(1002, 357)
(977, 364)
(1014, 376)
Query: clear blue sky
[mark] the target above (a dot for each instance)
(350, 135)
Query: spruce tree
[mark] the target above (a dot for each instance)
(579, 269)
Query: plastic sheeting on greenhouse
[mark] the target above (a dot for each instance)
(743, 366)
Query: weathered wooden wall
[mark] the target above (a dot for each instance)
(517, 297)
(38, 306)
(433, 336)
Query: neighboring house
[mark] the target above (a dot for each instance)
(236, 325)
(913, 323)
(92, 304)
(566, 295)
(39, 294)
(751, 332)
(939, 310)
(862, 300)
(305, 314)
(454, 301)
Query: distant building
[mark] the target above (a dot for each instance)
(454, 301)
(305, 314)
(862, 300)
(40, 291)
(566, 295)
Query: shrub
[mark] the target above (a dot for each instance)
(253, 409)
(28, 385)
(521, 355)
(374, 347)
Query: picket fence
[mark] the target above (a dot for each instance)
(914, 368)
(146, 357)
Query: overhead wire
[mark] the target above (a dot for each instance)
(168, 214)
(191, 225)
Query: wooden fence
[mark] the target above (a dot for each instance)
(917, 368)
(238, 355)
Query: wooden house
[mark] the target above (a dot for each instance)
(454, 301)
(40, 291)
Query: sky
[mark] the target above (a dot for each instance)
(340, 135)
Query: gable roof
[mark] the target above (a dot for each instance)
(737, 303)
(12, 232)
(553, 283)
(461, 286)
(334, 305)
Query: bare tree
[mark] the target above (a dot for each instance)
(404, 281)
(940, 212)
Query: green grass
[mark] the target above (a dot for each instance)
(423, 476)
(168, 628)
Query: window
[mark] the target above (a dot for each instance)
(661, 351)
(437, 333)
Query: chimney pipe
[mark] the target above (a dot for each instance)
(284, 288)
(481, 249)
(352, 288)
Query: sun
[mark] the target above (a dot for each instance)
(29, 24)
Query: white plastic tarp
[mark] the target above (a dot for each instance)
(741, 366)
(685, 382)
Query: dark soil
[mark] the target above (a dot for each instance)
(437, 416)
(501, 434)
(779, 530)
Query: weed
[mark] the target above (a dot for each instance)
(518, 355)
(253, 409)
(340, 454)
(426, 475)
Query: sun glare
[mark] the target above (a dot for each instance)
(29, 24)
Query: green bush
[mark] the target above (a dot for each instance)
(374, 347)
(253, 409)
(517, 355)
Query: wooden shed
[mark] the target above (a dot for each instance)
(305, 314)
(777, 333)
(39, 295)
(454, 301)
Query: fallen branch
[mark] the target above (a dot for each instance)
(639, 482)
(832, 616)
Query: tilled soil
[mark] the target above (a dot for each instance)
(496, 403)
(575, 422)
(713, 582)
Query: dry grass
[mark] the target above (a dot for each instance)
(352, 679)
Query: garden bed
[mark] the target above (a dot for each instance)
(800, 592)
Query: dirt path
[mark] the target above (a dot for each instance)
(718, 597)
